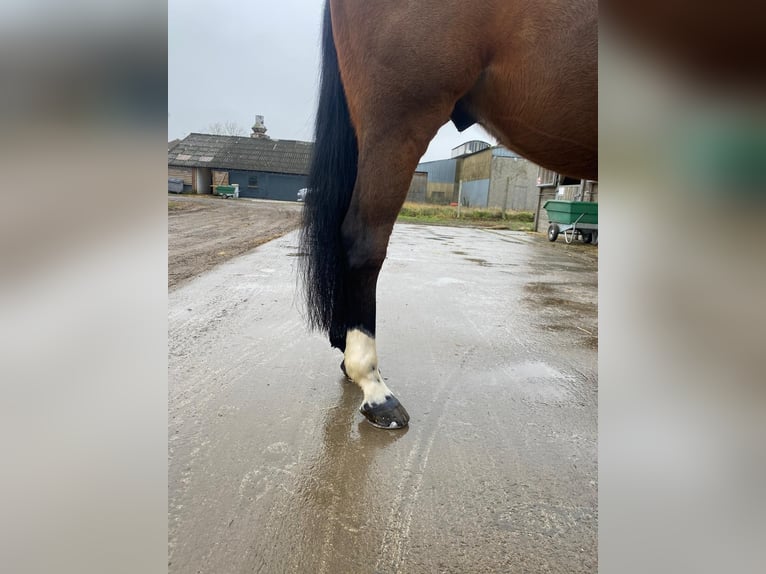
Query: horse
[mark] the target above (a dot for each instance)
(392, 73)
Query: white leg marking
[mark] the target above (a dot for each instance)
(361, 362)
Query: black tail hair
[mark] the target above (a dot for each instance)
(330, 183)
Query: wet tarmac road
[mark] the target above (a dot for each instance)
(489, 338)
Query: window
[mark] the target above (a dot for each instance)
(546, 178)
(252, 181)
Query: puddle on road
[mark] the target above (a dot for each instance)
(481, 262)
(566, 304)
(540, 288)
(534, 370)
(574, 333)
(537, 381)
(548, 295)
(548, 268)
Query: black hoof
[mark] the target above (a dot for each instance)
(389, 414)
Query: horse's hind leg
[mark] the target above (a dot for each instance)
(386, 165)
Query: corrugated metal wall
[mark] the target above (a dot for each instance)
(469, 147)
(475, 193)
(441, 180)
(441, 171)
(418, 188)
(441, 193)
(503, 152)
(495, 177)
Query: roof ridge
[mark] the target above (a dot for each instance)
(235, 152)
(248, 138)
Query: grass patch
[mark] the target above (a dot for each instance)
(469, 216)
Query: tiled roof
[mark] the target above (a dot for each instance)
(246, 153)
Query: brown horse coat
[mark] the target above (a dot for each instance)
(394, 71)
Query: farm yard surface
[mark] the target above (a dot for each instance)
(204, 231)
(488, 337)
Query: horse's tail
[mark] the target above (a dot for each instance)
(330, 185)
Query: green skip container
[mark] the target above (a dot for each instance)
(573, 219)
(570, 212)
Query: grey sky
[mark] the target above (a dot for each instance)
(229, 60)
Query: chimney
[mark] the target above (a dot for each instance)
(259, 129)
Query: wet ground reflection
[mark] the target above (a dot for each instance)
(342, 508)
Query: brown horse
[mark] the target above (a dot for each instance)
(393, 72)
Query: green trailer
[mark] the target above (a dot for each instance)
(573, 219)
(227, 191)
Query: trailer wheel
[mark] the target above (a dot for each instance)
(587, 237)
(553, 232)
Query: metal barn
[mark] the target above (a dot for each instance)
(491, 177)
